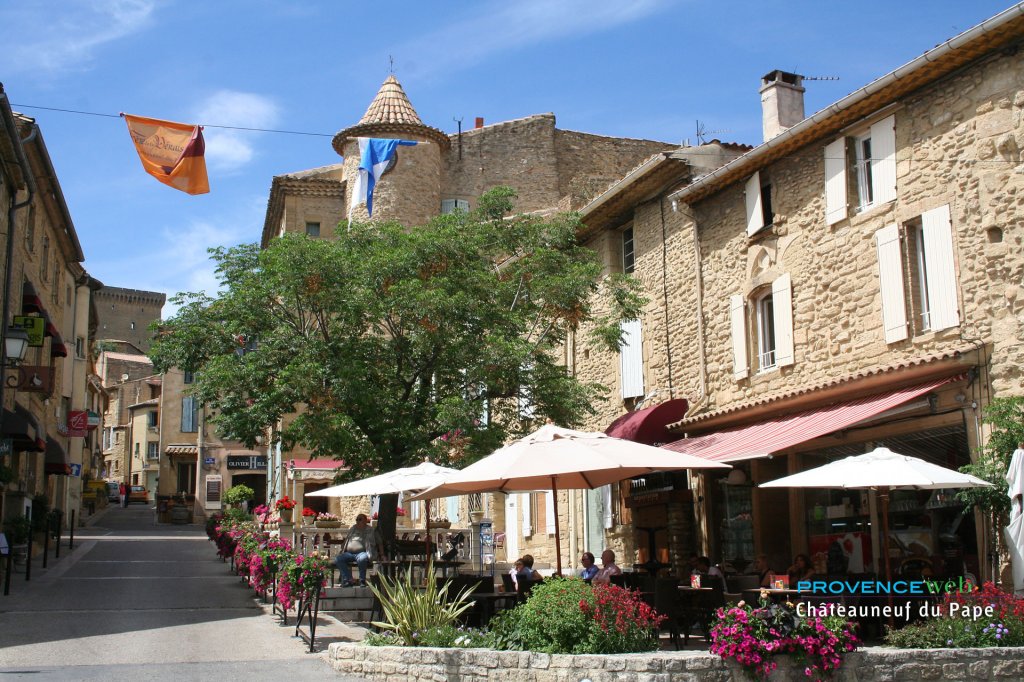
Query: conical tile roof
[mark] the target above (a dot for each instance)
(391, 105)
(390, 114)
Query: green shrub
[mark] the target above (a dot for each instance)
(447, 636)
(237, 494)
(566, 615)
(18, 529)
(410, 609)
(1004, 628)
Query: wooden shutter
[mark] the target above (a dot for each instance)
(452, 507)
(525, 399)
(890, 283)
(527, 505)
(941, 279)
(549, 512)
(782, 304)
(835, 181)
(631, 360)
(883, 160)
(755, 218)
(188, 414)
(447, 205)
(606, 506)
(738, 319)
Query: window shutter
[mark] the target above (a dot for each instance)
(890, 283)
(549, 512)
(938, 253)
(525, 398)
(883, 160)
(606, 505)
(525, 503)
(447, 205)
(738, 318)
(835, 181)
(452, 504)
(755, 219)
(782, 304)
(631, 359)
(186, 414)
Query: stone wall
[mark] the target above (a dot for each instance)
(125, 314)
(866, 665)
(410, 192)
(588, 164)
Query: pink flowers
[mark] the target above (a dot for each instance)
(753, 636)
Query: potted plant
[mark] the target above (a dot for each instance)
(236, 495)
(284, 507)
(327, 520)
(308, 516)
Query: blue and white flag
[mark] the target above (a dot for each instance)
(374, 155)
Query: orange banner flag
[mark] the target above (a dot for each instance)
(171, 152)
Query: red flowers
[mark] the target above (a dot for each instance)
(285, 503)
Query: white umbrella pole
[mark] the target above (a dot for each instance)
(558, 540)
(883, 493)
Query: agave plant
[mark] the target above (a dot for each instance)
(410, 608)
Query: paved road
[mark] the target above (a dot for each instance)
(135, 600)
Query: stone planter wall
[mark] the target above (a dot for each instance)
(871, 665)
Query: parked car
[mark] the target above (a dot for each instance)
(113, 494)
(138, 493)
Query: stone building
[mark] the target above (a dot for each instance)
(127, 379)
(47, 294)
(854, 281)
(125, 314)
(551, 169)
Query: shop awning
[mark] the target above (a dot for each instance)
(773, 435)
(30, 301)
(315, 469)
(58, 350)
(179, 450)
(56, 458)
(21, 427)
(648, 425)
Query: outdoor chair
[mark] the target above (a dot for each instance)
(666, 601)
(507, 582)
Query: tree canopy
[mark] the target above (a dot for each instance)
(390, 344)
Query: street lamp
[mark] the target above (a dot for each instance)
(15, 345)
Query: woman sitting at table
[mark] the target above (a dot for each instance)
(802, 569)
(523, 571)
(711, 576)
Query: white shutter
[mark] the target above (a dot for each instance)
(883, 160)
(890, 283)
(938, 254)
(549, 512)
(526, 405)
(782, 304)
(452, 505)
(631, 360)
(524, 502)
(738, 318)
(755, 217)
(606, 505)
(835, 181)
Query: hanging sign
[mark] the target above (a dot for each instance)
(78, 423)
(33, 326)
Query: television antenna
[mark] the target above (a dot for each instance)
(703, 132)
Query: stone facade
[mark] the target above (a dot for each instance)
(125, 314)
(957, 143)
(866, 665)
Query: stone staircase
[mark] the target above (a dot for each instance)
(347, 604)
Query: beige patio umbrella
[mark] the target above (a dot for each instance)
(554, 457)
(881, 470)
(407, 479)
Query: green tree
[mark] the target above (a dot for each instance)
(388, 344)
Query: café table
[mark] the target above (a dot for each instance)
(696, 607)
(753, 595)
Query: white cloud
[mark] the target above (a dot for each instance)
(59, 37)
(520, 24)
(228, 150)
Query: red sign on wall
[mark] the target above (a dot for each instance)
(78, 423)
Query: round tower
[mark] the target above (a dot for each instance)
(410, 190)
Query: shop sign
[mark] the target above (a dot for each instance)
(247, 462)
(94, 419)
(78, 423)
(209, 461)
(33, 326)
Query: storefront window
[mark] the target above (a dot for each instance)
(736, 530)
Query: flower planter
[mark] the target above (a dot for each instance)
(328, 524)
(285, 514)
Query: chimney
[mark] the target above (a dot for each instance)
(479, 122)
(782, 102)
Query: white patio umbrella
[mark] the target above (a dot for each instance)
(553, 457)
(404, 480)
(1014, 533)
(881, 470)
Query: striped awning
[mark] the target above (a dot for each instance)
(774, 435)
(182, 450)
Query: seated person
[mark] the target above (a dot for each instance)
(714, 574)
(523, 570)
(802, 569)
(608, 568)
(764, 570)
(589, 570)
(361, 545)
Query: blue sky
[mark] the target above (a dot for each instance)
(635, 68)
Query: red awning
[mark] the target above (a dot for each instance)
(30, 302)
(323, 464)
(58, 350)
(764, 438)
(648, 425)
